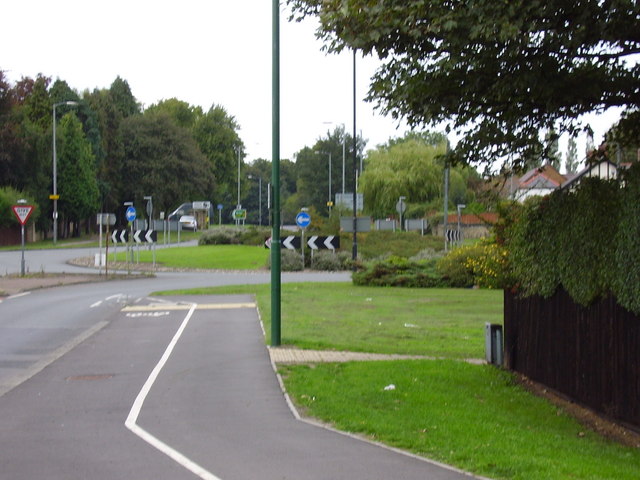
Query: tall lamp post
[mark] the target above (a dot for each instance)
(55, 195)
(238, 206)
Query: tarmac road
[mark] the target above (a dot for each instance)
(172, 391)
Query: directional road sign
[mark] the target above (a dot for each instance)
(149, 236)
(22, 212)
(331, 242)
(106, 219)
(291, 242)
(453, 235)
(120, 236)
(130, 214)
(239, 214)
(303, 219)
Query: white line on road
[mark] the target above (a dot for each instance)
(131, 424)
(18, 295)
(97, 304)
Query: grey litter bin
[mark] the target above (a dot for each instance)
(493, 343)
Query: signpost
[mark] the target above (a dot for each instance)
(239, 214)
(107, 219)
(303, 220)
(22, 212)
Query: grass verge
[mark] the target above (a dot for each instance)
(440, 322)
(224, 257)
(474, 417)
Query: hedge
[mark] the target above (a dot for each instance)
(585, 240)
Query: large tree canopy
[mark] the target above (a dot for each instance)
(496, 71)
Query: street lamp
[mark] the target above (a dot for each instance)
(259, 197)
(329, 203)
(238, 206)
(55, 195)
(460, 207)
(344, 148)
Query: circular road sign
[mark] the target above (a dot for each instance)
(130, 214)
(303, 219)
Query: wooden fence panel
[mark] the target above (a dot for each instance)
(591, 354)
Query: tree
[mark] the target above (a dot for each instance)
(163, 160)
(122, 97)
(312, 168)
(216, 133)
(496, 72)
(78, 186)
(181, 112)
(571, 158)
(408, 169)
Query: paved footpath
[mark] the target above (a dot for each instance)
(173, 390)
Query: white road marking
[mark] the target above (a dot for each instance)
(97, 304)
(155, 442)
(18, 295)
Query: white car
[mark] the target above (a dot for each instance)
(188, 222)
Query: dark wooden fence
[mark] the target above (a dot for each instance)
(590, 354)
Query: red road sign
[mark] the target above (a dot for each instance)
(23, 212)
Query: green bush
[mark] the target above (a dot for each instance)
(249, 235)
(483, 264)
(399, 272)
(330, 262)
(584, 240)
(221, 236)
(455, 269)
(9, 198)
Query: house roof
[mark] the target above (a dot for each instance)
(585, 171)
(471, 219)
(543, 177)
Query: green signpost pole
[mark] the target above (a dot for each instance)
(275, 180)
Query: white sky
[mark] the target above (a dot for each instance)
(203, 52)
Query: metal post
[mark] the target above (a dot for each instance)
(22, 269)
(446, 203)
(55, 180)
(329, 203)
(354, 253)
(344, 145)
(275, 178)
(55, 171)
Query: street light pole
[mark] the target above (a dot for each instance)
(54, 196)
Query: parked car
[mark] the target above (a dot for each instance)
(188, 222)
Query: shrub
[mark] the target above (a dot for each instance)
(330, 262)
(221, 236)
(483, 264)
(584, 240)
(249, 235)
(399, 272)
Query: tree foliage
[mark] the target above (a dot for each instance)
(496, 72)
(312, 164)
(163, 160)
(77, 182)
(411, 167)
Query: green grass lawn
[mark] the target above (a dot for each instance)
(225, 257)
(437, 322)
(474, 417)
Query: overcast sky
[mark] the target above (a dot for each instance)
(203, 52)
